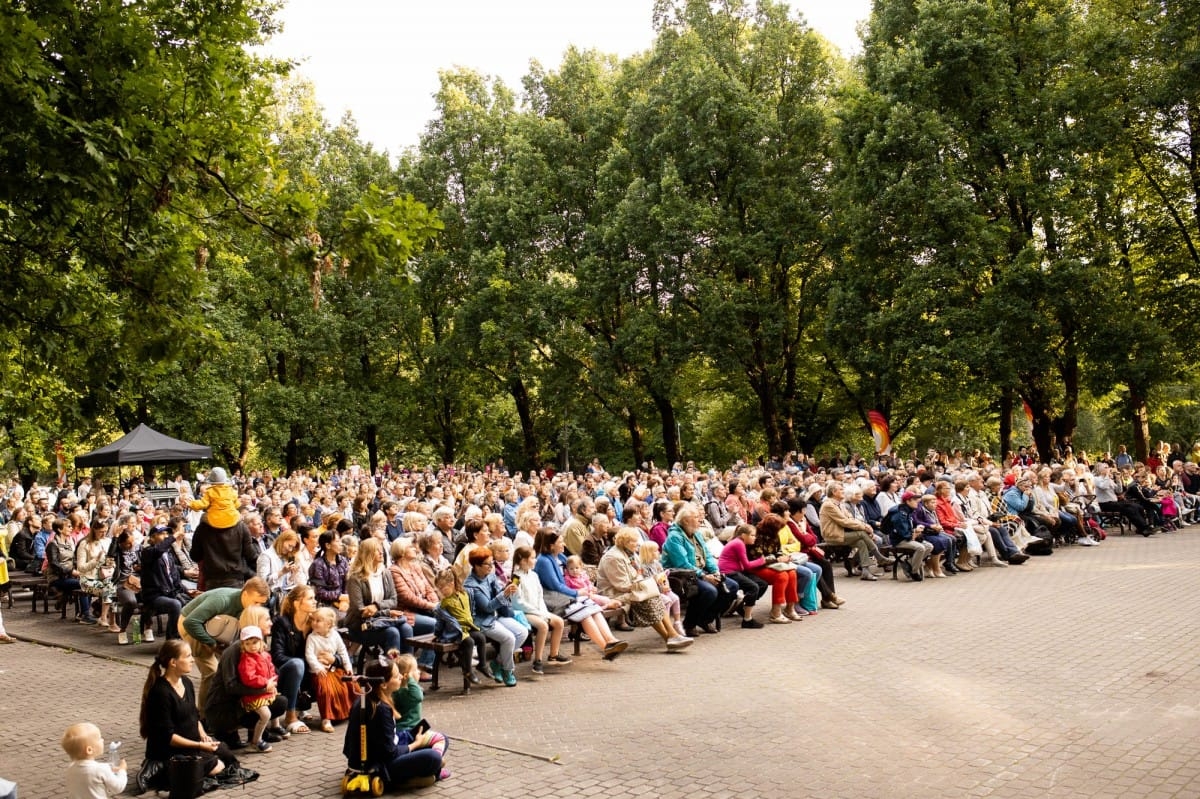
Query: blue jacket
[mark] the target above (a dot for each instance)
(487, 599)
(39, 543)
(1017, 501)
(549, 569)
(902, 525)
(680, 553)
(509, 515)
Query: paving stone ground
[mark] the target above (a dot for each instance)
(1075, 675)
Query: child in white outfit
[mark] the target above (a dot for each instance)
(88, 778)
(327, 658)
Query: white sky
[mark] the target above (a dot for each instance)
(379, 59)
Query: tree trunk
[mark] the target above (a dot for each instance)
(529, 444)
(636, 439)
(448, 443)
(1006, 431)
(1043, 435)
(25, 472)
(292, 452)
(244, 445)
(769, 412)
(372, 441)
(1139, 416)
(670, 432)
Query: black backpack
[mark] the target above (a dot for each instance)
(886, 526)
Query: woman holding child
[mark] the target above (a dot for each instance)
(288, 650)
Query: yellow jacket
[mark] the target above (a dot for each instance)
(221, 502)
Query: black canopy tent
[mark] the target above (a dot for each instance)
(143, 445)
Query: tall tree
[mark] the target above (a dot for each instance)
(733, 149)
(966, 144)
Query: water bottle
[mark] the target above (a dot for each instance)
(113, 759)
(135, 630)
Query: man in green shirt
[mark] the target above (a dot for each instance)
(212, 603)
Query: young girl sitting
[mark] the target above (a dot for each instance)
(530, 600)
(457, 605)
(409, 698)
(652, 567)
(257, 671)
(327, 659)
(405, 759)
(576, 576)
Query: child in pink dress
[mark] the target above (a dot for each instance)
(576, 576)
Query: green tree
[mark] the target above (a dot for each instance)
(967, 144)
(732, 147)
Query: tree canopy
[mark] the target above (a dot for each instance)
(734, 244)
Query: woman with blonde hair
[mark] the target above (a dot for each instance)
(374, 617)
(279, 567)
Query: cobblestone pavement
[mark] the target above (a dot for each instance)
(1072, 676)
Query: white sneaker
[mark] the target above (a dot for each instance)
(122, 638)
(1087, 541)
(148, 637)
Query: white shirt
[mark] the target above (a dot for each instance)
(91, 779)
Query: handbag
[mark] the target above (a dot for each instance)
(644, 589)
(782, 566)
(556, 602)
(974, 545)
(151, 776)
(684, 582)
(185, 775)
(580, 609)
(799, 558)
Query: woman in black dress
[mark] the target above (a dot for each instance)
(170, 723)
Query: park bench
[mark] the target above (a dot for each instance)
(1109, 519)
(440, 649)
(20, 582)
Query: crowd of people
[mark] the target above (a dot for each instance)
(255, 575)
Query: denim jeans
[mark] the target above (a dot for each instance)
(509, 634)
(421, 625)
(708, 603)
(291, 674)
(393, 635)
(162, 604)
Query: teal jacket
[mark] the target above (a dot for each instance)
(680, 553)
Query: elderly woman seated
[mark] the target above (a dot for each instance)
(619, 577)
(685, 551)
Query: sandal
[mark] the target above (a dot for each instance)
(7, 639)
(326, 726)
(297, 727)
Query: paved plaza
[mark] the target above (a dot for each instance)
(1075, 675)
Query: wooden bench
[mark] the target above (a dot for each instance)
(845, 553)
(899, 557)
(440, 650)
(22, 581)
